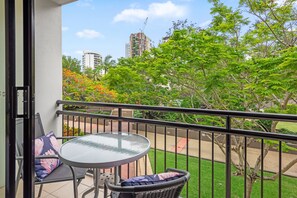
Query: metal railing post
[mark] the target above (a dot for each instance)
(119, 169)
(228, 158)
(119, 121)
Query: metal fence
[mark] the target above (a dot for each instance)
(163, 133)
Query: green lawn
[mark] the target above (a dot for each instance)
(287, 125)
(289, 185)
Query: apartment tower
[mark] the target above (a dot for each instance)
(91, 59)
(139, 43)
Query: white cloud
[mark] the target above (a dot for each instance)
(80, 52)
(134, 5)
(64, 29)
(131, 15)
(155, 10)
(85, 3)
(89, 34)
(205, 23)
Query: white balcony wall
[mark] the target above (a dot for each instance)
(48, 71)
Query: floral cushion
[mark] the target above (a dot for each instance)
(46, 145)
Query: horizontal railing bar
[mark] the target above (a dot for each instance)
(248, 133)
(238, 114)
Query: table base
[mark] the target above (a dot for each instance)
(96, 178)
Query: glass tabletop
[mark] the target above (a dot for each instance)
(104, 150)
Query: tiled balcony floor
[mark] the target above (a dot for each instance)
(64, 189)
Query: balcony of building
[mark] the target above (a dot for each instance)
(222, 159)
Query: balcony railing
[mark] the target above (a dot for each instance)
(216, 155)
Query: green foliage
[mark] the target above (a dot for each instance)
(70, 131)
(233, 64)
(101, 69)
(80, 88)
(71, 64)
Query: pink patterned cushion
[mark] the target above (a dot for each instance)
(46, 145)
(151, 179)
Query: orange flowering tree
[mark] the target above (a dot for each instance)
(81, 88)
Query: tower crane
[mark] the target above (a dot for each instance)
(142, 36)
(144, 25)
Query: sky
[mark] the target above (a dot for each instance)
(104, 26)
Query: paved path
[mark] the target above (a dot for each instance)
(270, 162)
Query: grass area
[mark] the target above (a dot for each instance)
(289, 184)
(287, 125)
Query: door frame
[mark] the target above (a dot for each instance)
(10, 73)
(12, 97)
(29, 109)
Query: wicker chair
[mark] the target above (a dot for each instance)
(168, 189)
(60, 174)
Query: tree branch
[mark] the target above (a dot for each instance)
(285, 169)
(264, 21)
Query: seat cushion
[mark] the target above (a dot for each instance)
(63, 173)
(151, 179)
(46, 145)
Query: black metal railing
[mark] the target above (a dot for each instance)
(163, 132)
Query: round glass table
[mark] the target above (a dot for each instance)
(103, 150)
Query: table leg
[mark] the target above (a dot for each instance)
(74, 182)
(97, 178)
(88, 191)
(116, 174)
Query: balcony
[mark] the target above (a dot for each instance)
(209, 153)
(63, 189)
(223, 159)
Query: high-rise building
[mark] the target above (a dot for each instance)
(127, 50)
(91, 59)
(139, 43)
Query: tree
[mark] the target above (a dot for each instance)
(100, 70)
(80, 88)
(234, 64)
(71, 63)
(132, 84)
(108, 63)
(89, 72)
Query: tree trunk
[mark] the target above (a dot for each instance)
(249, 187)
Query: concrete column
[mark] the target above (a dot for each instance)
(48, 53)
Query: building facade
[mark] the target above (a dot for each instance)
(139, 43)
(127, 50)
(91, 59)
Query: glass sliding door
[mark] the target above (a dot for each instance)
(17, 96)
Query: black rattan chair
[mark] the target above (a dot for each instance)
(60, 174)
(168, 189)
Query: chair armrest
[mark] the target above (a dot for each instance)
(19, 158)
(66, 137)
(176, 170)
(47, 157)
(40, 157)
